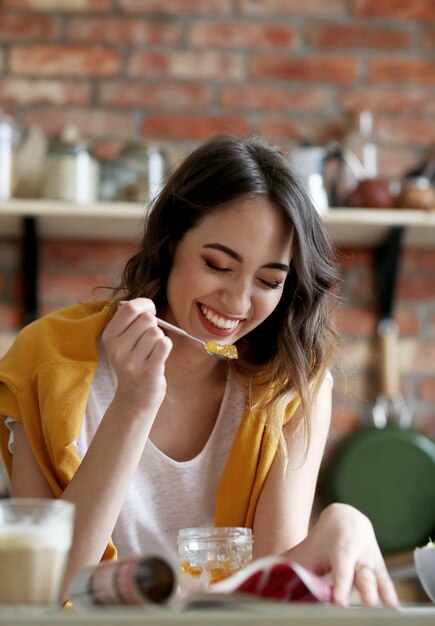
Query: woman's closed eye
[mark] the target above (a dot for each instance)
(272, 284)
(216, 268)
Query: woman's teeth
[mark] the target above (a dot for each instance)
(219, 322)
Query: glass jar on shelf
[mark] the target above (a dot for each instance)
(141, 170)
(71, 172)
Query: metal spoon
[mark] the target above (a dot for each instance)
(217, 350)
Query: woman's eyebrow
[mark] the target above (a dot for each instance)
(232, 253)
(236, 256)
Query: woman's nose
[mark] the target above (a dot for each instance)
(237, 298)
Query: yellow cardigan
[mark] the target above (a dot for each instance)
(45, 380)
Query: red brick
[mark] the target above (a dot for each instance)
(357, 356)
(351, 36)
(183, 7)
(361, 287)
(170, 96)
(265, 98)
(312, 8)
(84, 6)
(242, 34)
(417, 101)
(355, 258)
(425, 423)
(11, 317)
(426, 389)
(394, 9)
(196, 65)
(420, 357)
(22, 27)
(394, 162)
(16, 286)
(127, 31)
(91, 123)
(408, 321)
(330, 69)
(42, 60)
(80, 257)
(288, 129)
(27, 91)
(192, 127)
(356, 321)
(62, 288)
(9, 254)
(406, 131)
(344, 421)
(107, 149)
(418, 260)
(403, 70)
(417, 288)
(428, 40)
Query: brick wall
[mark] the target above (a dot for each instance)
(176, 71)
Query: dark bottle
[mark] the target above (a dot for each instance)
(134, 581)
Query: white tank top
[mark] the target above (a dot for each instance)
(164, 495)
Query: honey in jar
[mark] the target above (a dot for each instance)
(211, 554)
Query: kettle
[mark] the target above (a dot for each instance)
(370, 192)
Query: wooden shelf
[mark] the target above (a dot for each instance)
(124, 220)
(66, 220)
(357, 228)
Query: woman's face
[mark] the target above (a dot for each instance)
(228, 272)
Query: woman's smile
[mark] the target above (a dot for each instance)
(221, 324)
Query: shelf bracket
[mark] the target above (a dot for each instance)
(30, 265)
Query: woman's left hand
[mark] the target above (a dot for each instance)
(343, 544)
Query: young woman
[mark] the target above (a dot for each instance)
(145, 431)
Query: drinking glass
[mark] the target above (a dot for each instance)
(35, 539)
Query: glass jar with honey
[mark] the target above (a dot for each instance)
(211, 554)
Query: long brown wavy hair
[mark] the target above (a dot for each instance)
(285, 358)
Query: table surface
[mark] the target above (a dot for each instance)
(305, 614)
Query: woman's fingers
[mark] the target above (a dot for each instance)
(136, 347)
(127, 313)
(342, 579)
(367, 584)
(343, 544)
(387, 591)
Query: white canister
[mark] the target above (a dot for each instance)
(71, 173)
(8, 140)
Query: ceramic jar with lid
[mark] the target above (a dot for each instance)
(71, 172)
(417, 193)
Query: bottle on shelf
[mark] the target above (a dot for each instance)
(360, 142)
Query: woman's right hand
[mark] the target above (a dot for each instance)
(137, 350)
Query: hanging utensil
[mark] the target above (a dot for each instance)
(387, 469)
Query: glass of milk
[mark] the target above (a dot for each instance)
(35, 539)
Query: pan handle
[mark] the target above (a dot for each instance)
(390, 403)
(388, 333)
